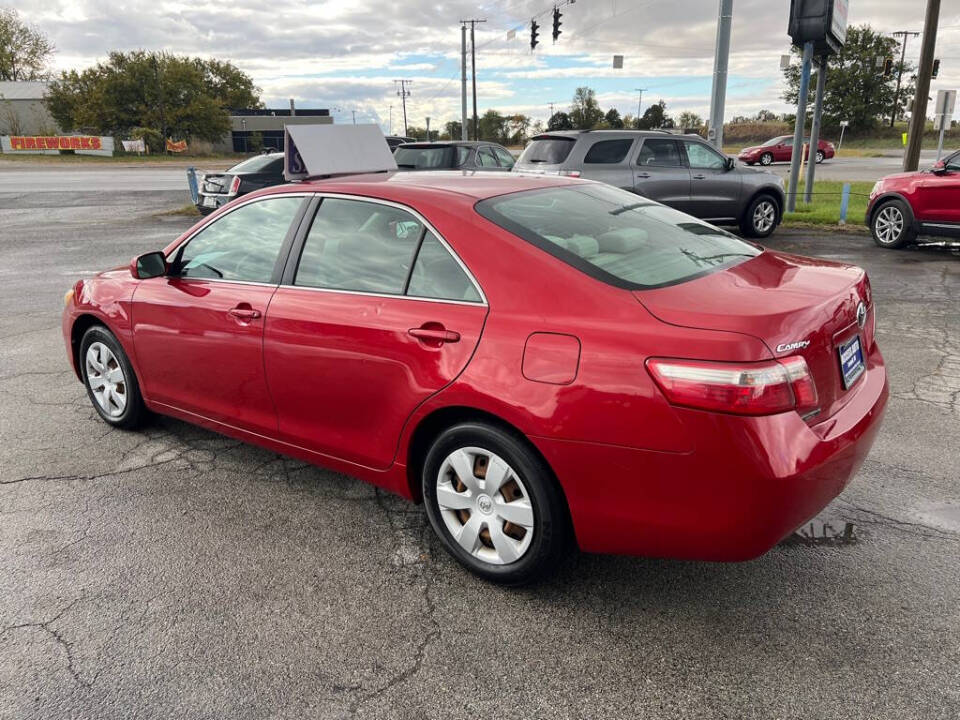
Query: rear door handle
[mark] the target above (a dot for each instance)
(243, 313)
(699, 177)
(434, 335)
(643, 175)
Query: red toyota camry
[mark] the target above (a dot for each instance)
(537, 359)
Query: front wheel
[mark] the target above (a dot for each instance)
(766, 158)
(109, 378)
(494, 504)
(891, 226)
(761, 217)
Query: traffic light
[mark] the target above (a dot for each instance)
(556, 23)
(936, 68)
(888, 67)
(534, 34)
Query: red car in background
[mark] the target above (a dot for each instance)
(537, 359)
(926, 202)
(780, 149)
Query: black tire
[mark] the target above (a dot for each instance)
(884, 223)
(134, 410)
(550, 530)
(766, 158)
(820, 156)
(756, 223)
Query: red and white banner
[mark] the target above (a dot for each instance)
(53, 144)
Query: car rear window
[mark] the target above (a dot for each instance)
(259, 163)
(421, 158)
(616, 236)
(608, 152)
(547, 150)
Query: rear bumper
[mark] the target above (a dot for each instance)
(749, 483)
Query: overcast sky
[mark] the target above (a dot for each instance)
(344, 55)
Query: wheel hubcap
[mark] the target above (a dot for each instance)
(105, 379)
(889, 224)
(766, 159)
(485, 505)
(764, 216)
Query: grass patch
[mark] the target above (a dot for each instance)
(825, 208)
(188, 210)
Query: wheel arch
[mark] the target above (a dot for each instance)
(883, 200)
(81, 324)
(431, 425)
(774, 192)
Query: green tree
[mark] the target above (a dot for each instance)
(613, 119)
(180, 97)
(493, 126)
(856, 89)
(559, 121)
(517, 128)
(585, 111)
(24, 51)
(452, 130)
(655, 117)
(689, 120)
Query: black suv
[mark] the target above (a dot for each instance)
(453, 155)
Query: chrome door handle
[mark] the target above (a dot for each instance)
(434, 335)
(243, 313)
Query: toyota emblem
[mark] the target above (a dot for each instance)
(861, 315)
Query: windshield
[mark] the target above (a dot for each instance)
(547, 150)
(424, 158)
(616, 236)
(258, 163)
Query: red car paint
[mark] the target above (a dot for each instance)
(341, 382)
(932, 196)
(783, 151)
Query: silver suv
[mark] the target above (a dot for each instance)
(681, 171)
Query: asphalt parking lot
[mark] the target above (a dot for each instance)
(176, 573)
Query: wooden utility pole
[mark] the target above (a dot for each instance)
(918, 118)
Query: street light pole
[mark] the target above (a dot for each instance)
(463, 80)
(798, 126)
(815, 131)
(718, 96)
(903, 54)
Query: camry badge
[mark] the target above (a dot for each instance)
(861, 315)
(796, 345)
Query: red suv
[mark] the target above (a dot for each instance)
(926, 202)
(780, 149)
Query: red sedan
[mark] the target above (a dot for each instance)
(537, 359)
(780, 149)
(926, 202)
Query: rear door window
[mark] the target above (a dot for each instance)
(485, 157)
(437, 274)
(547, 150)
(608, 152)
(657, 152)
(360, 246)
(505, 158)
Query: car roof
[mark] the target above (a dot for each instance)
(406, 187)
(573, 134)
(448, 143)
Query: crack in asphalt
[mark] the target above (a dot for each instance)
(46, 626)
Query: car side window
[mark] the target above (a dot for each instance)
(358, 245)
(463, 154)
(608, 152)
(952, 163)
(437, 274)
(505, 158)
(242, 245)
(485, 157)
(702, 157)
(657, 152)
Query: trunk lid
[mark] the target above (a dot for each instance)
(795, 305)
(216, 183)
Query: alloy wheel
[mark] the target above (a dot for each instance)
(764, 216)
(485, 505)
(766, 159)
(105, 379)
(889, 225)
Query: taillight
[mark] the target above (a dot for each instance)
(761, 388)
(234, 185)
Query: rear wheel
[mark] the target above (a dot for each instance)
(494, 504)
(761, 217)
(891, 226)
(820, 156)
(108, 376)
(766, 158)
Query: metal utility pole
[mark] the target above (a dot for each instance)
(403, 93)
(798, 126)
(815, 131)
(473, 68)
(390, 126)
(911, 158)
(354, 114)
(428, 128)
(718, 95)
(463, 80)
(903, 54)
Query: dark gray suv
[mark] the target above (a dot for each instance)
(681, 171)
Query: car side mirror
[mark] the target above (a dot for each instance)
(149, 265)
(939, 168)
(730, 164)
